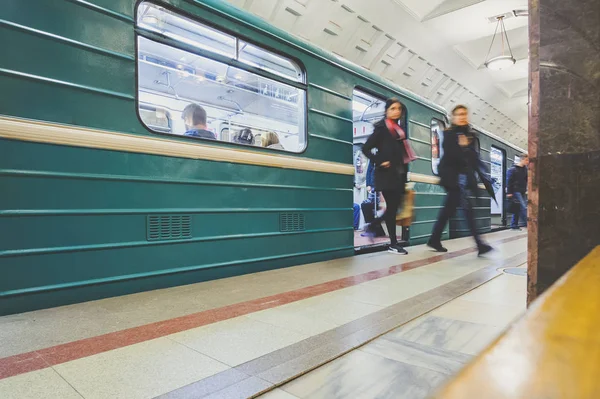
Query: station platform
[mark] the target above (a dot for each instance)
(372, 326)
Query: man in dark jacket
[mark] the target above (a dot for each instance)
(457, 170)
(194, 117)
(516, 188)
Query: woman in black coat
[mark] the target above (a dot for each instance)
(388, 148)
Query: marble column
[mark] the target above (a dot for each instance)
(564, 137)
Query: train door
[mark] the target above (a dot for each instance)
(368, 204)
(498, 173)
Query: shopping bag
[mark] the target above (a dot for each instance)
(405, 213)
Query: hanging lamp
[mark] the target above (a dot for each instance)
(505, 60)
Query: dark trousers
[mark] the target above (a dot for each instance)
(356, 211)
(455, 198)
(522, 214)
(393, 198)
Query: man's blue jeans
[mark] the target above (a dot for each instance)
(521, 215)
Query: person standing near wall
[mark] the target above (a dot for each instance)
(458, 171)
(516, 188)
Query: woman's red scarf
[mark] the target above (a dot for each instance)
(396, 131)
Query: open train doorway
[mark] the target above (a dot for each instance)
(368, 203)
(498, 175)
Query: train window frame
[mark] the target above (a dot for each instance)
(153, 108)
(297, 85)
(439, 144)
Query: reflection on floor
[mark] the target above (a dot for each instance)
(414, 360)
(360, 241)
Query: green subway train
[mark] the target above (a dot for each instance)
(149, 144)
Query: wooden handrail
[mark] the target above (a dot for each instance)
(553, 352)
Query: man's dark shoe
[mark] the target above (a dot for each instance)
(437, 246)
(484, 249)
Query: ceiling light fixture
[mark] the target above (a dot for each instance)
(504, 60)
(521, 13)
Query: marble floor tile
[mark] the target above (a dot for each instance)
(360, 375)
(42, 384)
(481, 313)
(237, 340)
(443, 333)
(277, 394)
(143, 370)
(432, 358)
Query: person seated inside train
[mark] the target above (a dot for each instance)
(194, 117)
(244, 136)
(272, 141)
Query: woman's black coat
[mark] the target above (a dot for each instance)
(388, 149)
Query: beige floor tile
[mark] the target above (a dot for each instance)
(503, 290)
(292, 320)
(237, 340)
(42, 384)
(482, 313)
(143, 370)
(334, 308)
(391, 290)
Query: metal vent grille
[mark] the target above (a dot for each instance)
(291, 222)
(169, 227)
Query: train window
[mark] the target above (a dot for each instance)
(167, 23)
(214, 97)
(268, 61)
(437, 139)
(158, 119)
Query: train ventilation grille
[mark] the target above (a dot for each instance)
(291, 222)
(169, 227)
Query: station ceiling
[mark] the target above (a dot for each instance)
(435, 48)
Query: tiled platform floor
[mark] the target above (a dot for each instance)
(415, 359)
(241, 336)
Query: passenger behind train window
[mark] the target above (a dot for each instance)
(237, 83)
(244, 136)
(194, 117)
(271, 140)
